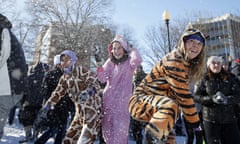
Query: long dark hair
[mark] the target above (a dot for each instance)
(122, 59)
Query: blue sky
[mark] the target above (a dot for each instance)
(139, 14)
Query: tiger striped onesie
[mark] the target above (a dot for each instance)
(158, 97)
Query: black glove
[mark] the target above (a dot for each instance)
(98, 57)
(41, 122)
(219, 98)
(43, 113)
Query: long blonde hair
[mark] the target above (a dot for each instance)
(198, 66)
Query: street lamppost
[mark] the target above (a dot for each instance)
(166, 18)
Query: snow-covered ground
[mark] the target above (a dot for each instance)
(14, 133)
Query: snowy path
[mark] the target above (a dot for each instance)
(15, 132)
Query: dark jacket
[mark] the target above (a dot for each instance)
(16, 62)
(207, 88)
(138, 77)
(235, 69)
(32, 100)
(35, 78)
(50, 82)
(61, 110)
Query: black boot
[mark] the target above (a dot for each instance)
(28, 135)
(100, 137)
(199, 136)
(179, 131)
(139, 141)
(138, 137)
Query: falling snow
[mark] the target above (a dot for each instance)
(15, 133)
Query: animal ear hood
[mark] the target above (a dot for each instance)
(194, 34)
(188, 34)
(73, 59)
(120, 39)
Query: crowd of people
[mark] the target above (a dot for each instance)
(73, 104)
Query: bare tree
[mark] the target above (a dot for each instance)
(21, 27)
(157, 41)
(128, 33)
(7, 7)
(74, 20)
(72, 15)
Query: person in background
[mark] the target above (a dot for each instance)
(117, 72)
(197, 133)
(138, 76)
(226, 66)
(46, 67)
(217, 92)
(137, 127)
(31, 103)
(58, 117)
(13, 71)
(235, 69)
(158, 97)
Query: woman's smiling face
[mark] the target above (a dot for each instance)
(193, 48)
(117, 50)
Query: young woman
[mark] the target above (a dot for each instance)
(117, 72)
(158, 97)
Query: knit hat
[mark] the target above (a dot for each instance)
(195, 37)
(214, 59)
(194, 34)
(56, 59)
(120, 39)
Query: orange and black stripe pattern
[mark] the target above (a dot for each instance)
(157, 99)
